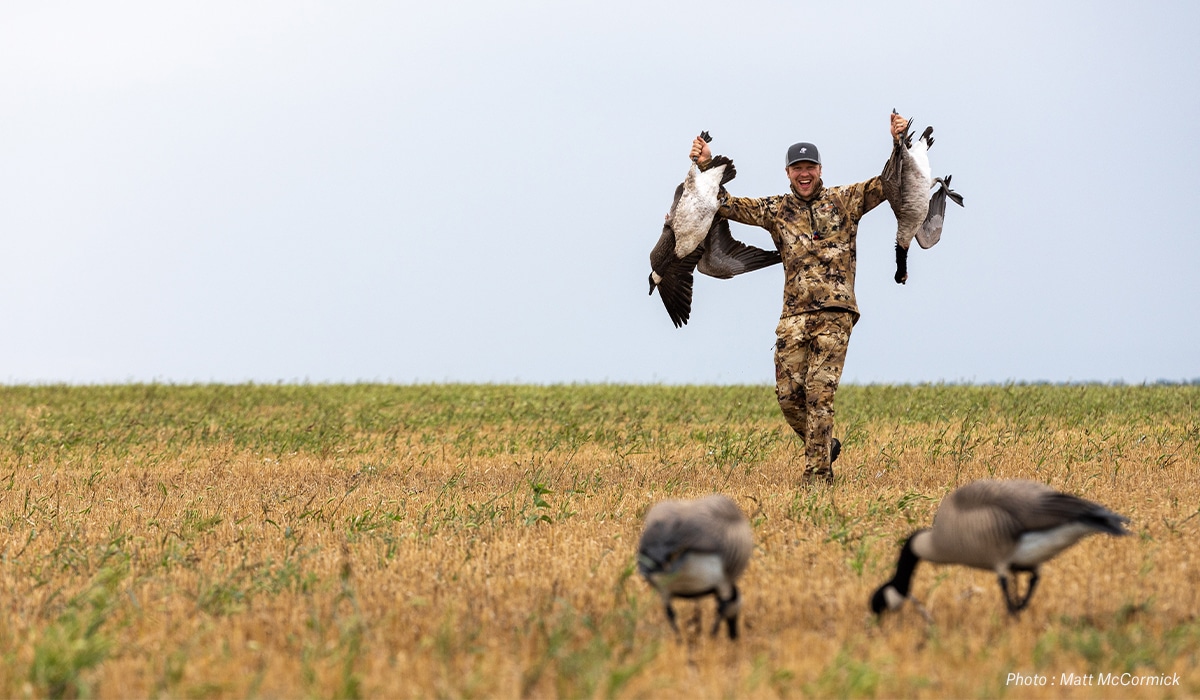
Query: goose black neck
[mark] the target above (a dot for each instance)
(906, 565)
(901, 261)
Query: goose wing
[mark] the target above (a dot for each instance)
(974, 528)
(675, 283)
(893, 169)
(725, 256)
(736, 537)
(729, 171)
(1031, 506)
(1051, 509)
(675, 287)
(672, 529)
(664, 250)
(893, 172)
(931, 230)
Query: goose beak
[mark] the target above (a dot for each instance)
(887, 598)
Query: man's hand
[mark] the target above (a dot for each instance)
(899, 126)
(701, 153)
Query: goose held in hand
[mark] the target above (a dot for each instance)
(690, 549)
(1005, 526)
(906, 183)
(695, 236)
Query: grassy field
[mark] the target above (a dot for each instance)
(478, 541)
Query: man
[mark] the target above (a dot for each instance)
(814, 227)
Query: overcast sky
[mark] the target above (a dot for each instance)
(469, 191)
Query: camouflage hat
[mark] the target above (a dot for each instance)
(803, 151)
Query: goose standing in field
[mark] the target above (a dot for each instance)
(1005, 526)
(694, 235)
(690, 549)
(906, 183)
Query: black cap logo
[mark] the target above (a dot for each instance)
(803, 151)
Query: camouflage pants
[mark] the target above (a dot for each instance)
(810, 350)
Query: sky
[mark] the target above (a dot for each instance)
(469, 191)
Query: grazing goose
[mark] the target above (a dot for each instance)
(690, 549)
(694, 235)
(1006, 526)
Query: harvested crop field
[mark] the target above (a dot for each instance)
(479, 541)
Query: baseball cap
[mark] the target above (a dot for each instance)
(803, 151)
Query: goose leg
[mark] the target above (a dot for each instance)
(725, 613)
(1033, 579)
(1009, 597)
(1015, 602)
(671, 617)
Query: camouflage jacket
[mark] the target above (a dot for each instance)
(816, 239)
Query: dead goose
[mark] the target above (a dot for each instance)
(905, 176)
(691, 549)
(694, 235)
(1005, 526)
(906, 182)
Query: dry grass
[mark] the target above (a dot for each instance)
(479, 542)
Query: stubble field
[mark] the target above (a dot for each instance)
(478, 541)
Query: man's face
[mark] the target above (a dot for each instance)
(804, 176)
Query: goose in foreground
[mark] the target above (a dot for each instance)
(693, 235)
(690, 549)
(1005, 526)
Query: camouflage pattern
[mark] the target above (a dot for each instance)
(810, 350)
(815, 237)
